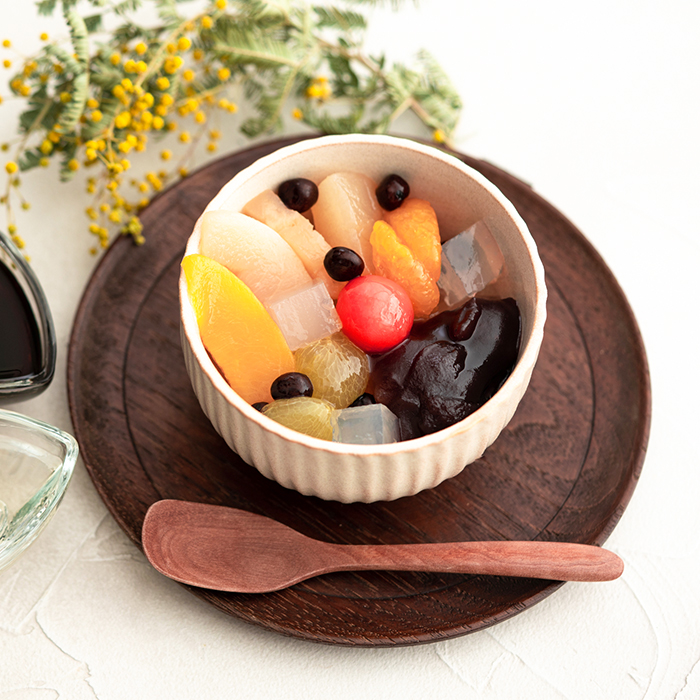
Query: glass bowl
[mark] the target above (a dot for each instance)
(27, 340)
(36, 464)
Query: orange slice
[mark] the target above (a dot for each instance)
(239, 334)
(416, 225)
(396, 261)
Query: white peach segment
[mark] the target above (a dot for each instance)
(298, 231)
(345, 212)
(254, 252)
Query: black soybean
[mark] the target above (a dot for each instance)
(343, 264)
(291, 384)
(298, 194)
(391, 192)
(363, 400)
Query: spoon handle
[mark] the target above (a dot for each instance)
(228, 549)
(558, 561)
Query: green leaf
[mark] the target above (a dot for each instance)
(125, 33)
(109, 109)
(46, 7)
(270, 104)
(93, 23)
(345, 81)
(257, 12)
(342, 20)
(401, 82)
(237, 47)
(78, 34)
(62, 56)
(395, 4)
(274, 51)
(205, 83)
(66, 174)
(328, 124)
(167, 11)
(105, 75)
(39, 97)
(253, 89)
(27, 119)
(73, 109)
(126, 6)
(436, 93)
(29, 160)
(444, 112)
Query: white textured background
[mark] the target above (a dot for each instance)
(598, 106)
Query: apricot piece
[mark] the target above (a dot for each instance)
(416, 225)
(240, 336)
(396, 261)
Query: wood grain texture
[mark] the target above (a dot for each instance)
(229, 549)
(563, 470)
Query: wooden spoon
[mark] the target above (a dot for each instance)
(227, 549)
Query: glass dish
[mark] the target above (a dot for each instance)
(27, 338)
(36, 464)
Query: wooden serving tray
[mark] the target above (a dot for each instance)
(564, 468)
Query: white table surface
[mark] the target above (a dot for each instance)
(598, 106)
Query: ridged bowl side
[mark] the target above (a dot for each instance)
(359, 473)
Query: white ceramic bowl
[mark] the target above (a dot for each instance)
(367, 473)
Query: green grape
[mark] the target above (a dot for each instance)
(304, 414)
(337, 368)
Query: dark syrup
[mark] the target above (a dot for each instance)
(449, 366)
(20, 340)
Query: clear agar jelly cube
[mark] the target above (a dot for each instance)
(306, 315)
(470, 262)
(374, 424)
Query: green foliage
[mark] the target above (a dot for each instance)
(126, 6)
(168, 13)
(73, 110)
(342, 20)
(270, 102)
(78, 34)
(94, 99)
(238, 45)
(46, 7)
(29, 160)
(93, 23)
(67, 173)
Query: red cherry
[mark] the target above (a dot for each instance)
(376, 313)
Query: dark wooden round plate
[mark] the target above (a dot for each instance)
(564, 468)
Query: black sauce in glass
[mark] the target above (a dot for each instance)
(27, 337)
(20, 341)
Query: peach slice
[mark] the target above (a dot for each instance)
(237, 331)
(298, 231)
(255, 253)
(346, 211)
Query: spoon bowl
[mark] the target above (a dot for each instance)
(228, 549)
